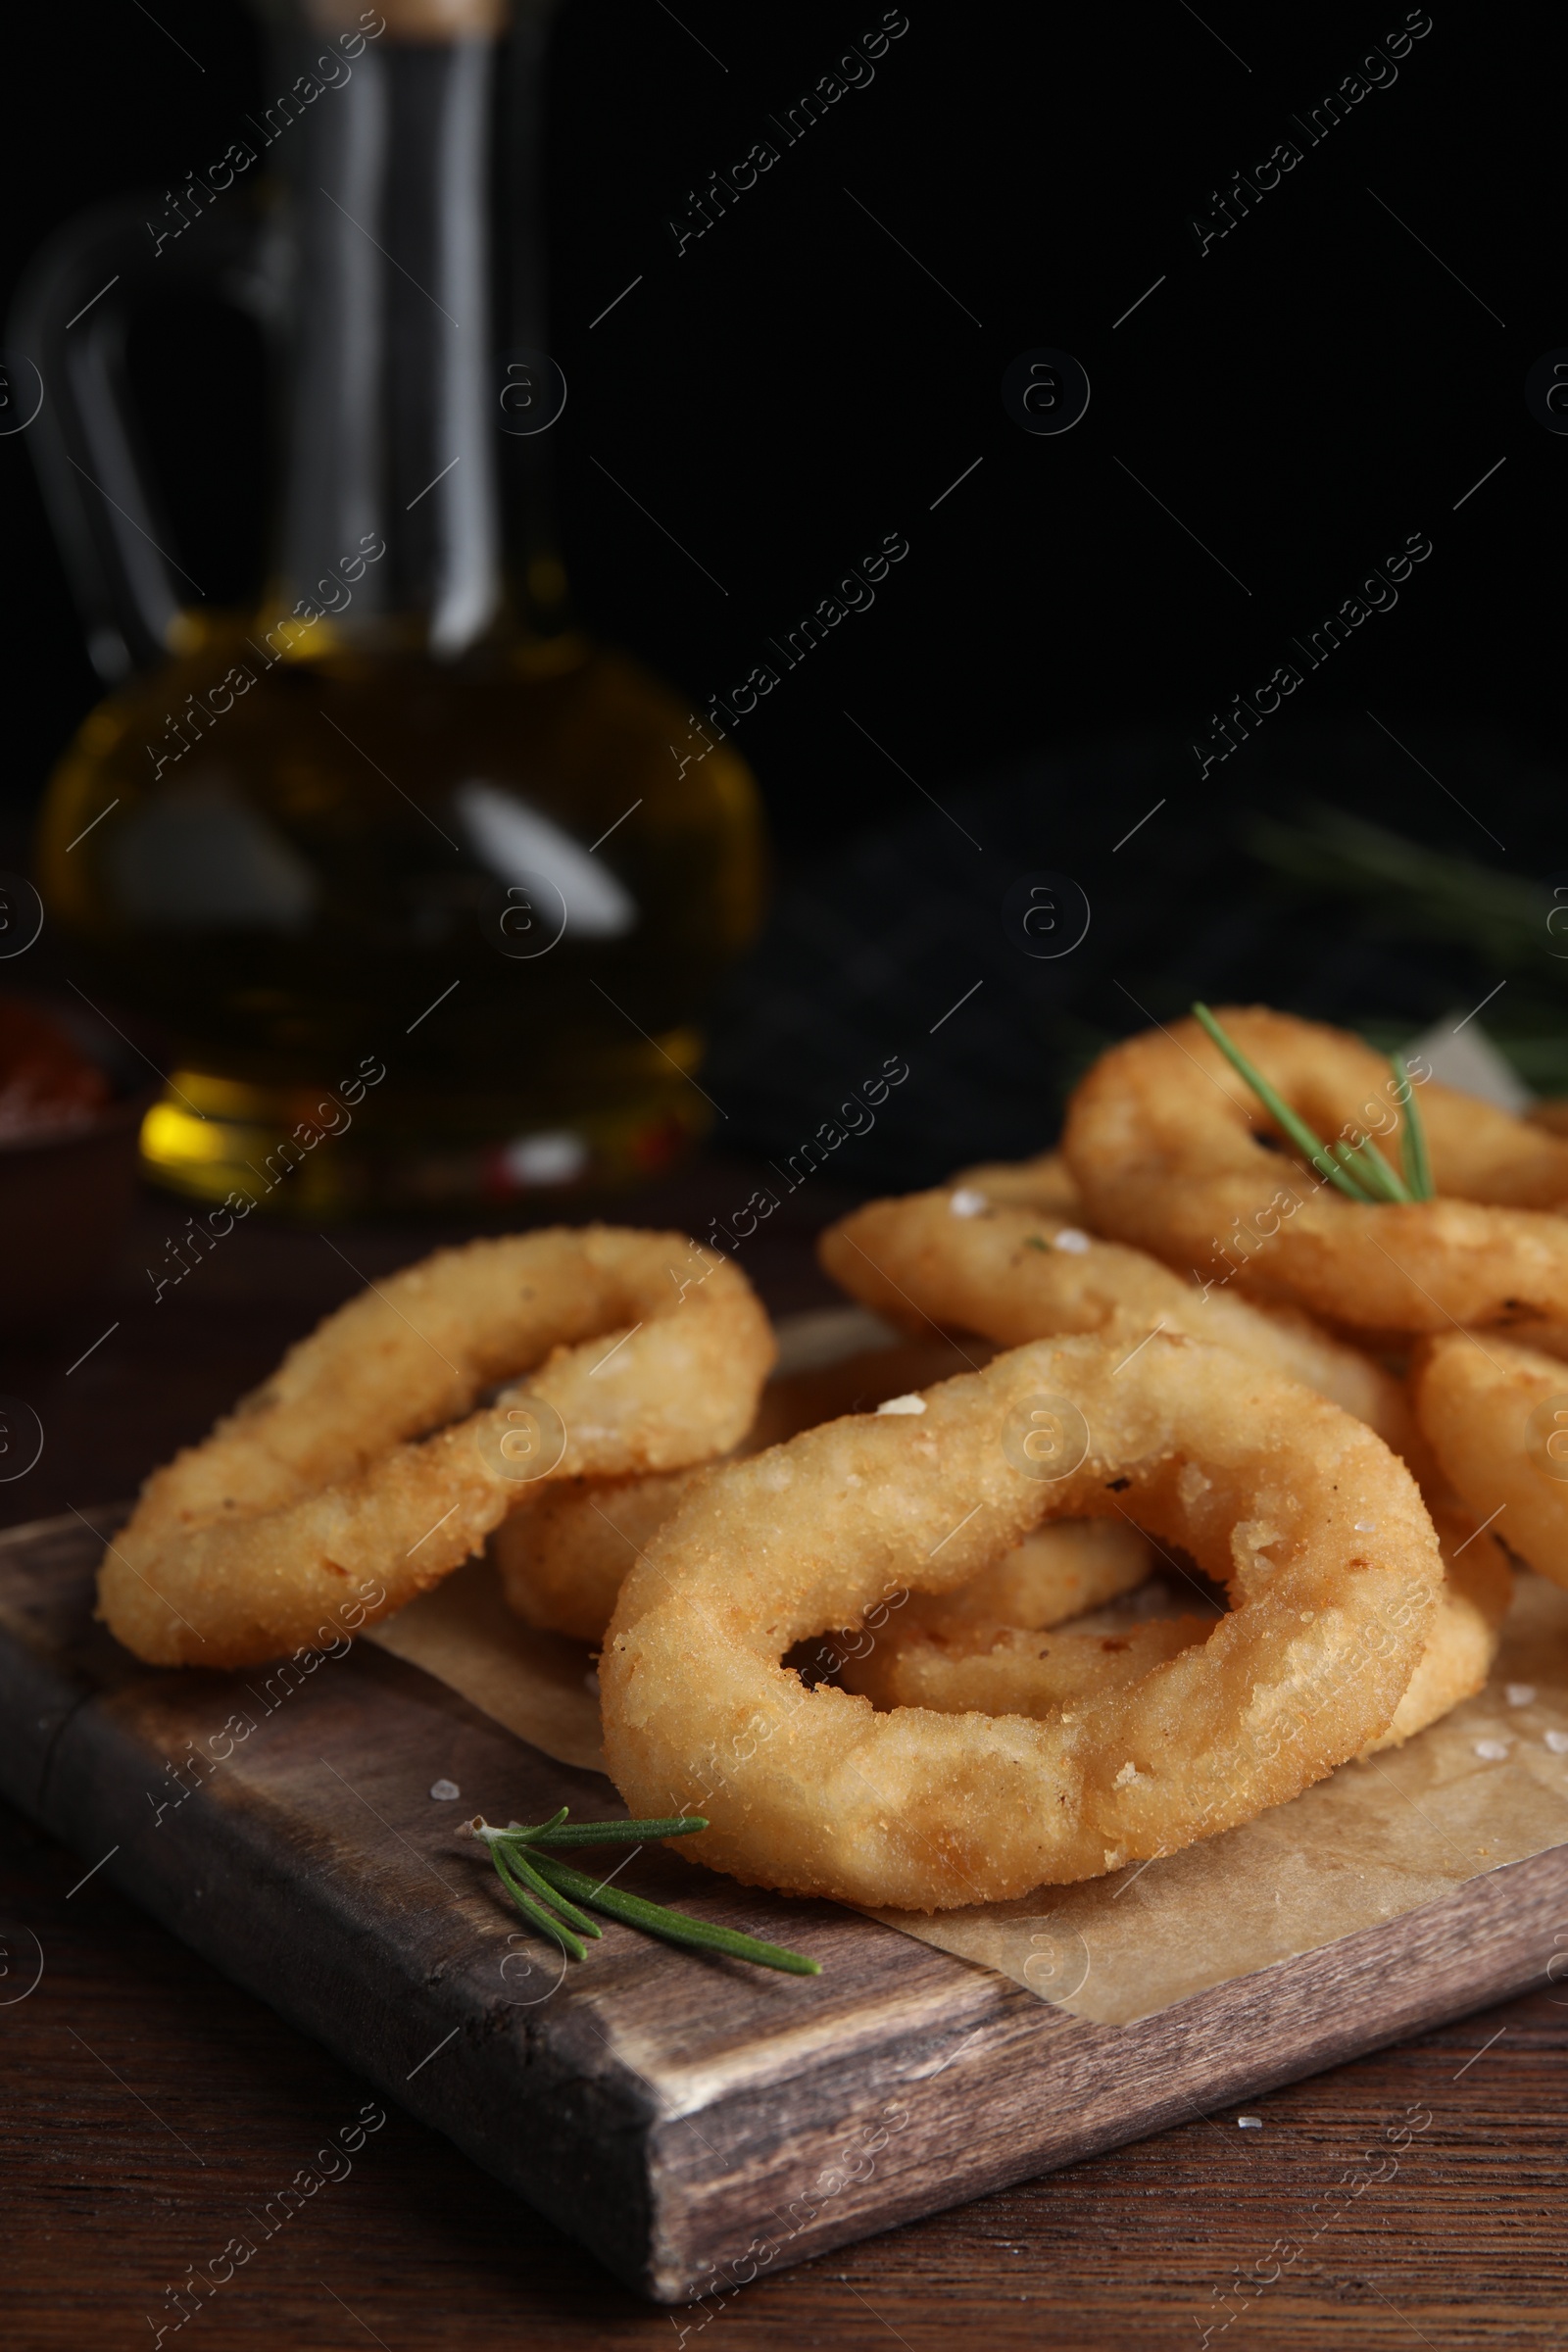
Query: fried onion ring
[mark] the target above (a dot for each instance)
(1317, 1529)
(1002, 1667)
(565, 1554)
(1497, 1417)
(644, 1352)
(1174, 1154)
(951, 1257)
(564, 1562)
(1462, 1643)
(1045, 1183)
(1061, 1570)
(986, 1269)
(1006, 1670)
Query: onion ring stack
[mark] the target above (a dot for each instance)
(951, 1257)
(643, 1489)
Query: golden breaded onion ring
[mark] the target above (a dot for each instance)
(566, 1551)
(1059, 1571)
(1462, 1642)
(1319, 1531)
(563, 1562)
(1496, 1414)
(951, 1256)
(1004, 1667)
(1167, 1144)
(1045, 1183)
(643, 1350)
(1009, 1670)
(986, 1269)
(564, 1558)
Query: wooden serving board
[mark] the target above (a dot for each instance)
(691, 2122)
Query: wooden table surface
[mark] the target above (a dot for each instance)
(148, 2104)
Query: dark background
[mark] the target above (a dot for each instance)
(793, 386)
(1313, 390)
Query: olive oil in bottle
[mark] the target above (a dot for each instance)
(428, 888)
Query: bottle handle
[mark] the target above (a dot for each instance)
(71, 317)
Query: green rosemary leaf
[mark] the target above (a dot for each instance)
(538, 1917)
(674, 1927)
(1413, 1142)
(1373, 1152)
(517, 1870)
(616, 1832)
(1368, 1166)
(1280, 1111)
(543, 1829)
(1364, 1191)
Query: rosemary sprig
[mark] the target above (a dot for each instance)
(1413, 1142)
(1358, 1171)
(543, 1887)
(1279, 1109)
(1366, 1164)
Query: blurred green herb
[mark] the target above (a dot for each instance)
(1515, 930)
(548, 1891)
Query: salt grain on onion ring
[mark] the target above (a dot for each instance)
(644, 1352)
(1319, 1532)
(1175, 1152)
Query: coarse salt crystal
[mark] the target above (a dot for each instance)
(1075, 1243)
(1249, 2122)
(1557, 1741)
(1492, 1751)
(1521, 1695)
(1366, 1527)
(444, 1792)
(902, 1404)
(967, 1202)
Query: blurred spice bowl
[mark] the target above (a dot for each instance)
(72, 1096)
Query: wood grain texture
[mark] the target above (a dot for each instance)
(151, 2108)
(691, 2122)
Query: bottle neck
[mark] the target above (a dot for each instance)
(401, 315)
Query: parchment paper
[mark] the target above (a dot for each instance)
(540, 1685)
(1373, 1841)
